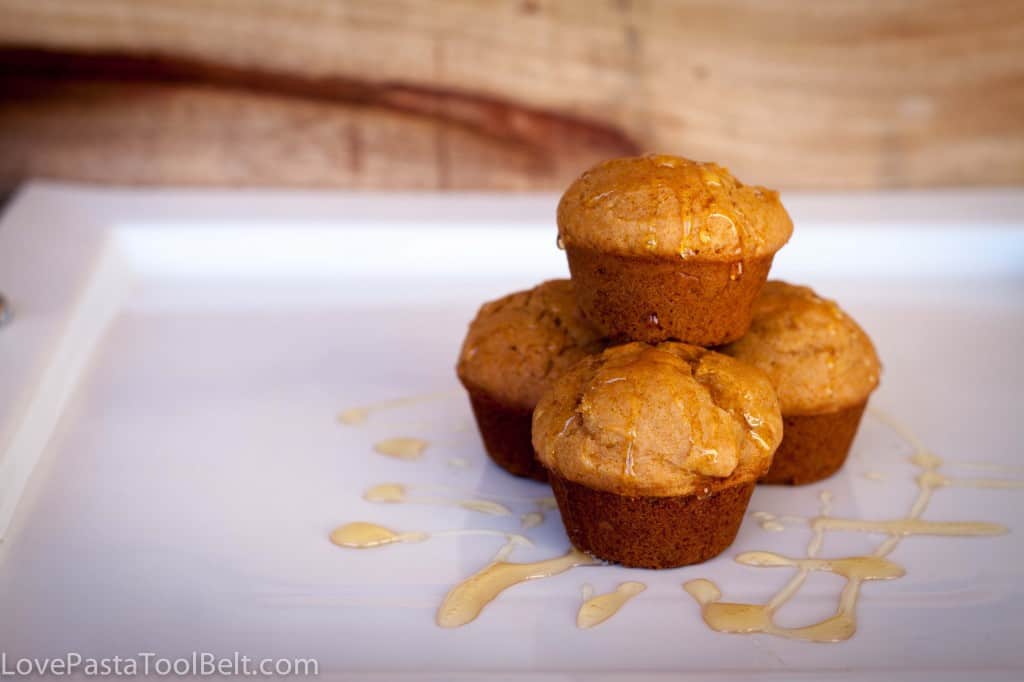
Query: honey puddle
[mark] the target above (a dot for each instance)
(747, 618)
(396, 493)
(596, 610)
(467, 599)
(401, 448)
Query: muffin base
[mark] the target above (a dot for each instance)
(814, 447)
(654, 299)
(651, 532)
(505, 432)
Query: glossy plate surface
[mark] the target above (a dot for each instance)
(172, 462)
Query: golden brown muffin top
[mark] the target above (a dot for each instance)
(663, 420)
(817, 357)
(517, 344)
(659, 205)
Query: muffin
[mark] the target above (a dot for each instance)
(661, 247)
(514, 348)
(653, 451)
(823, 367)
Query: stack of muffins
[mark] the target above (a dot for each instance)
(653, 389)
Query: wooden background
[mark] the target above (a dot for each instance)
(509, 95)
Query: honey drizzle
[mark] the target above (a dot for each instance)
(542, 503)
(631, 437)
(749, 618)
(466, 600)
(995, 483)
(984, 466)
(597, 609)
(363, 535)
(768, 521)
(355, 416)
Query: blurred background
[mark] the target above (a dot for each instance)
(510, 95)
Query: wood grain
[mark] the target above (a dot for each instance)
(511, 95)
(133, 120)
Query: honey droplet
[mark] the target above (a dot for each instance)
(709, 174)
(485, 507)
(362, 535)
(392, 493)
(736, 270)
(768, 521)
(653, 320)
(401, 448)
(531, 519)
(560, 243)
(354, 416)
(385, 492)
(592, 201)
(547, 504)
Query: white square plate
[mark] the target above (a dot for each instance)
(171, 462)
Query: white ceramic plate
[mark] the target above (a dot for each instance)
(171, 462)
